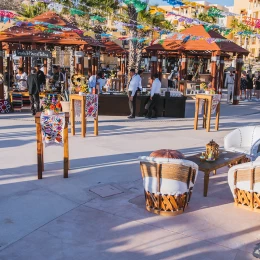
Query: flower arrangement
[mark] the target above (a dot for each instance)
(51, 106)
(1, 78)
(207, 88)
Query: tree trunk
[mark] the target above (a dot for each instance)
(132, 58)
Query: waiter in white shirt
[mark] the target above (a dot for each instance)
(132, 92)
(154, 96)
(229, 84)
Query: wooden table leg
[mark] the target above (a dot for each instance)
(205, 113)
(66, 152)
(217, 117)
(42, 158)
(96, 126)
(209, 114)
(196, 118)
(39, 150)
(83, 118)
(206, 183)
(72, 118)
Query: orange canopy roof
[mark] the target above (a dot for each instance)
(172, 44)
(35, 34)
(112, 47)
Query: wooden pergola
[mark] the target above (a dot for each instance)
(202, 48)
(24, 36)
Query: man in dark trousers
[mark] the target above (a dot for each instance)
(34, 90)
(40, 76)
(133, 85)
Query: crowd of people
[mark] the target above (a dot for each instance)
(249, 86)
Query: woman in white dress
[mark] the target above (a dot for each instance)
(21, 79)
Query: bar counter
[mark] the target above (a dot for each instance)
(117, 105)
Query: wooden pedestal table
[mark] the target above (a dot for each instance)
(40, 158)
(225, 159)
(82, 99)
(207, 111)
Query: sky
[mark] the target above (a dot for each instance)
(226, 2)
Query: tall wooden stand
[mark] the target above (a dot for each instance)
(40, 157)
(207, 112)
(82, 99)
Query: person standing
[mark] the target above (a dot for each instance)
(8, 80)
(250, 84)
(40, 76)
(133, 85)
(139, 76)
(230, 83)
(92, 82)
(154, 96)
(34, 90)
(257, 86)
(21, 78)
(243, 85)
(101, 81)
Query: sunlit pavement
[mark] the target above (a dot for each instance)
(59, 219)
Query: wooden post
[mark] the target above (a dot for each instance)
(184, 66)
(160, 67)
(45, 66)
(214, 69)
(96, 65)
(239, 62)
(1, 71)
(83, 116)
(221, 75)
(96, 126)
(93, 66)
(66, 148)
(72, 117)
(196, 118)
(89, 63)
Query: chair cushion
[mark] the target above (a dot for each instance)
(166, 153)
(171, 187)
(244, 150)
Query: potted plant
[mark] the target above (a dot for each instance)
(51, 106)
(207, 88)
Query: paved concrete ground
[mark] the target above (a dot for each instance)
(60, 219)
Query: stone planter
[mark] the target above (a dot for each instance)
(65, 106)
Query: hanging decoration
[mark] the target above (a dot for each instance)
(215, 12)
(78, 12)
(52, 129)
(56, 7)
(174, 2)
(97, 18)
(5, 106)
(139, 5)
(156, 10)
(91, 105)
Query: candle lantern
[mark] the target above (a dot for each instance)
(212, 150)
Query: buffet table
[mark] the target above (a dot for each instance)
(117, 105)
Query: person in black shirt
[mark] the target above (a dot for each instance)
(34, 90)
(40, 76)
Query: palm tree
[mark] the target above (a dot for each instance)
(30, 11)
(206, 18)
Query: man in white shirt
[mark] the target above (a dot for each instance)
(154, 96)
(229, 84)
(139, 76)
(132, 92)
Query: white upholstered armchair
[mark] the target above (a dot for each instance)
(168, 184)
(244, 182)
(244, 140)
